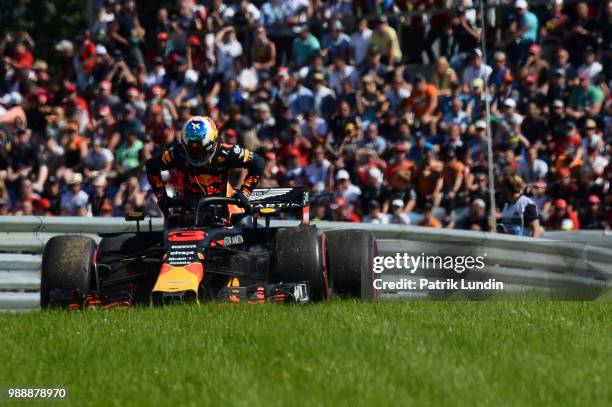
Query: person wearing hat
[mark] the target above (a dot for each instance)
(74, 197)
(535, 66)
(509, 114)
(304, 46)
(524, 28)
(562, 217)
(397, 216)
(477, 68)
(98, 197)
(385, 40)
(520, 214)
(345, 188)
(374, 189)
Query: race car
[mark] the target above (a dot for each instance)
(215, 248)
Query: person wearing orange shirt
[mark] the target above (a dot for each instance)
(429, 180)
(399, 160)
(424, 102)
(452, 176)
(428, 219)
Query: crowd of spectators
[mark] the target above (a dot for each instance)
(377, 107)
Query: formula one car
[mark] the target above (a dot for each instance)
(217, 248)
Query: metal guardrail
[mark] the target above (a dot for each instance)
(521, 263)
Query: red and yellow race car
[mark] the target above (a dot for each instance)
(215, 248)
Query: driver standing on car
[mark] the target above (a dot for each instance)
(202, 164)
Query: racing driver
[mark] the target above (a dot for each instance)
(202, 163)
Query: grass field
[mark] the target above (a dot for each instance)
(340, 353)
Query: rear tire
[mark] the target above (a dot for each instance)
(350, 257)
(297, 256)
(68, 265)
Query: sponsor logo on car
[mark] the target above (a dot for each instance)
(232, 240)
(268, 193)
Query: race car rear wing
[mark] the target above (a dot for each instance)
(283, 200)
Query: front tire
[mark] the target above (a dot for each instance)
(297, 256)
(67, 267)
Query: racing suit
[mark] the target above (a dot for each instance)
(208, 180)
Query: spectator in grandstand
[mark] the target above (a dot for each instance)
(562, 218)
(74, 199)
(348, 102)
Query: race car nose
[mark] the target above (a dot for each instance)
(166, 298)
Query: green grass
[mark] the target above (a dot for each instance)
(339, 353)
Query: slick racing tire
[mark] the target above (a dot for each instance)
(297, 256)
(67, 266)
(350, 259)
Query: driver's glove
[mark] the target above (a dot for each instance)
(164, 204)
(241, 196)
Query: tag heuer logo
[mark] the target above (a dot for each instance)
(268, 193)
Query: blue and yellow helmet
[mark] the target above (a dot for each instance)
(200, 139)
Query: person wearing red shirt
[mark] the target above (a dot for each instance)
(23, 57)
(562, 218)
(88, 54)
(568, 150)
(297, 144)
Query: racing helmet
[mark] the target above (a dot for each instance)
(200, 139)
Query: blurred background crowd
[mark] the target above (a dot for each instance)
(376, 106)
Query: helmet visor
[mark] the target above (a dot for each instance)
(198, 152)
